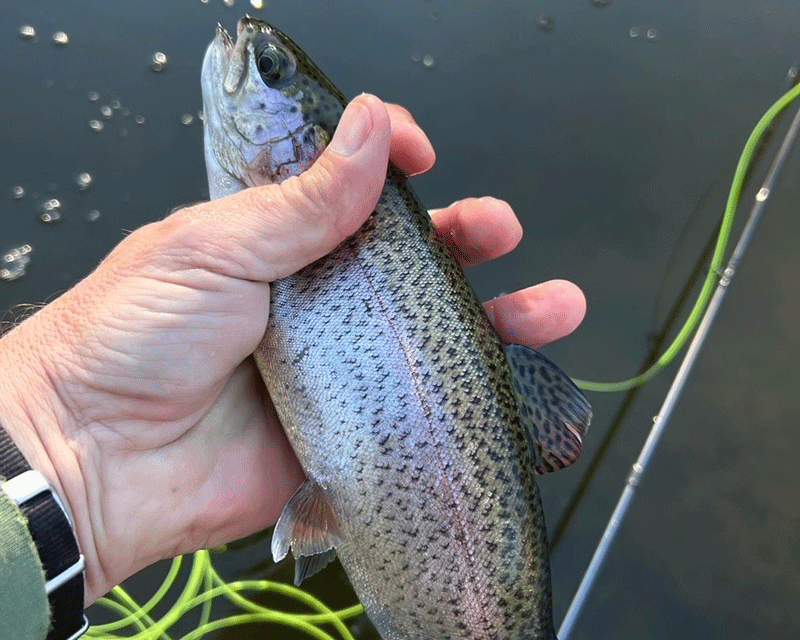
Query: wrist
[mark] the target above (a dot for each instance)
(44, 431)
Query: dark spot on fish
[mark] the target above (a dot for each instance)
(261, 105)
(293, 109)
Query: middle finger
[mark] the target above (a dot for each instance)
(478, 229)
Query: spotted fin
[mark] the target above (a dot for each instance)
(308, 527)
(554, 411)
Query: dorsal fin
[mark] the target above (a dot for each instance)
(554, 411)
(308, 527)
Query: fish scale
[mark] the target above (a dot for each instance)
(419, 431)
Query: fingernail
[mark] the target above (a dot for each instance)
(353, 129)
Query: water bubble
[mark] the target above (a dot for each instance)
(634, 32)
(84, 180)
(123, 132)
(93, 215)
(27, 32)
(50, 210)
(93, 96)
(60, 38)
(115, 104)
(96, 126)
(652, 34)
(48, 217)
(416, 56)
(158, 62)
(18, 192)
(125, 111)
(228, 3)
(204, 1)
(201, 116)
(427, 61)
(187, 119)
(257, 4)
(106, 111)
(14, 262)
(139, 119)
(544, 22)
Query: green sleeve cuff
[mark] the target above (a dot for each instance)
(24, 610)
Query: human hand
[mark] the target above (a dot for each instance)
(133, 392)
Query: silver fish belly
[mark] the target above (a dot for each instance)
(419, 431)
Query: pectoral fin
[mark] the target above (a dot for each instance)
(308, 527)
(554, 411)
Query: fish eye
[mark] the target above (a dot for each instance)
(273, 64)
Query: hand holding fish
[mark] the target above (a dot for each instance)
(134, 393)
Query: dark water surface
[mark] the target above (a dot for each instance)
(607, 146)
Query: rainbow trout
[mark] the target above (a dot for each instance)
(419, 431)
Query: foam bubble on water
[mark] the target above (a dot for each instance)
(14, 262)
(50, 210)
(107, 111)
(544, 22)
(158, 61)
(84, 180)
(652, 34)
(27, 32)
(228, 3)
(427, 61)
(115, 104)
(93, 96)
(60, 38)
(18, 192)
(93, 215)
(187, 119)
(257, 4)
(139, 119)
(96, 125)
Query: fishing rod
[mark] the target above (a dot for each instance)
(662, 418)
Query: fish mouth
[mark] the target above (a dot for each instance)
(224, 40)
(249, 26)
(234, 53)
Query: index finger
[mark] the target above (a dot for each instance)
(411, 150)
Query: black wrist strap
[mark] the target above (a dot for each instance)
(54, 539)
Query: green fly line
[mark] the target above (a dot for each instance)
(703, 298)
(204, 585)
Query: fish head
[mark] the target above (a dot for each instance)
(268, 110)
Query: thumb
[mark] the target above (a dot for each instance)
(266, 233)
